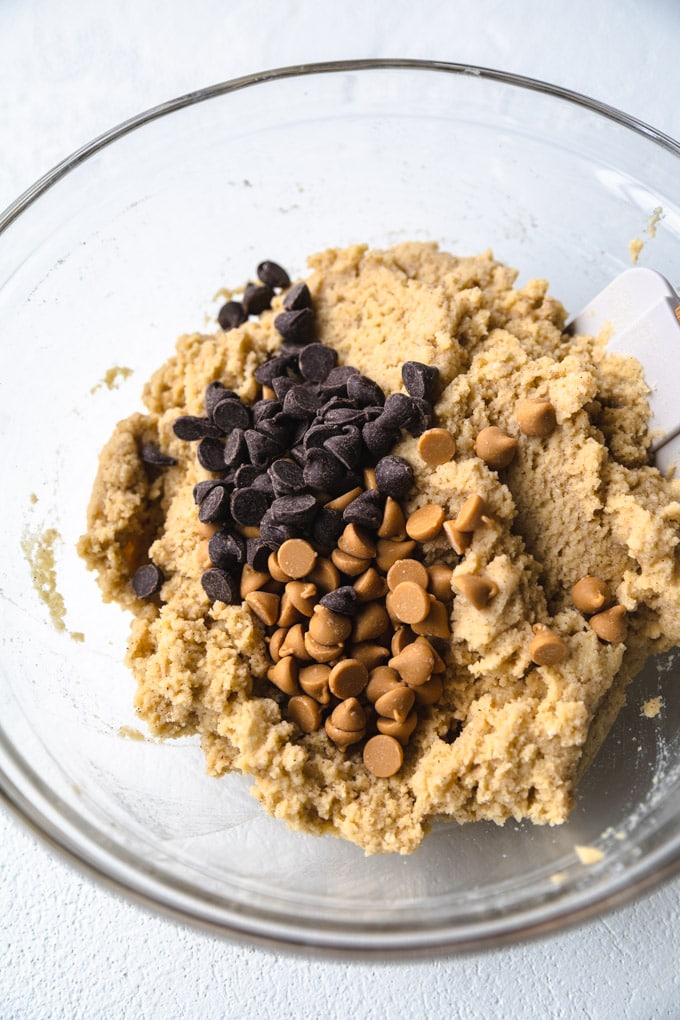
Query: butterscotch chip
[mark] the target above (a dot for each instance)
(535, 417)
(477, 590)
(369, 478)
(348, 678)
(393, 523)
(304, 711)
(265, 606)
(414, 664)
(458, 540)
(248, 530)
(370, 623)
(436, 446)
(389, 552)
(206, 529)
(325, 575)
(343, 738)
(439, 583)
(275, 569)
(252, 580)
(350, 565)
(383, 756)
(320, 652)
(342, 502)
(495, 447)
(436, 623)
(381, 680)
(426, 522)
(409, 602)
(357, 542)
(396, 704)
(546, 647)
(401, 731)
(275, 643)
(349, 715)
(329, 628)
(471, 513)
(296, 558)
(439, 664)
(314, 681)
(611, 625)
(288, 612)
(590, 594)
(369, 653)
(284, 674)
(407, 570)
(302, 595)
(402, 637)
(268, 393)
(370, 585)
(294, 643)
(429, 693)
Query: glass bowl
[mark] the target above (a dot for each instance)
(102, 264)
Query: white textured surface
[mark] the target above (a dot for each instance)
(70, 69)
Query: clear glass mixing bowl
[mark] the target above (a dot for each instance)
(102, 264)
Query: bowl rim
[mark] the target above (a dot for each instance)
(663, 865)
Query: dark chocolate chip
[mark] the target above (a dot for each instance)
(262, 409)
(372, 412)
(231, 414)
(257, 553)
(210, 454)
(366, 510)
(347, 447)
(394, 476)
(335, 383)
(282, 384)
(147, 580)
(263, 483)
(398, 411)
(298, 454)
(316, 361)
(214, 392)
(214, 507)
(297, 326)
(423, 417)
(287, 478)
(297, 297)
(323, 471)
(273, 368)
(378, 441)
(327, 527)
(226, 550)
(420, 380)
(190, 428)
(245, 475)
(340, 600)
(151, 454)
(201, 489)
(273, 274)
(316, 435)
(262, 449)
(364, 391)
(345, 415)
(248, 506)
(294, 510)
(280, 429)
(300, 402)
(235, 449)
(231, 315)
(275, 534)
(257, 299)
(220, 586)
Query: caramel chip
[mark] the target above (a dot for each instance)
(401, 731)
(436, 623)
(396, 703)
(407, 570)
(389, 552)
(414, 664)
(252, 580)
(324, 575)
(265, 606)
(611, 625)
(383, 756)
(314, 681)
(348, 678)
(343, 738)
(495, 447)
(409, 602)
(349, 715)
(348, 564)
(294, 643)
(370, 654)
(477, 590)
(393, 523)
(381, 680)
(370, 622)
(436, 446)
(357, 542)
(589, 595)
(535, 417)
(275, 643)
(342, 502)
(458, 540)
(296, 558)
(370, 585)
(319, 652)
(439, 583)
(275, 569)
(304, 711)
(284, 674)
(426, 522)
(302, 595)
(547, 648)
(329, 628)
(471, 513)
(429, 693)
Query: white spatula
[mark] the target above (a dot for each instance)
(643, 312)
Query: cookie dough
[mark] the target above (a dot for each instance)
(509, 737)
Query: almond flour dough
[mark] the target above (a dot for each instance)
(508, 738)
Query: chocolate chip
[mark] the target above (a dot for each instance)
(201, 489)
(263, 483)
(226, 550)
(323, 471)
(257, 299)
(335, 383)
(317, 434)
(214, 393)
(273, 274)
(262, 449)
(298, 297)
(210, 454)
(364, 391)
(231, 414)
(347, 446)
(298, 454)
(300, 402)
(151, 454)
(147, 580)
(247, 506)
(263, 409)
(423, 417)
(190, 428)
(377, 440)
(287, 478)
(326, 529)
(295, 510)
(278, 429)
(235, 449)
(257, 553)
(394, 476)
(340, 600)
(245, 475)
(420, 380)
(282, 384)
(366, 510)
(220, 586)
(297, 326)
(316, 361)
(398, 411)
(275, 534)
(231, 315)
(345, 415)
(214, 507)
(273, 368)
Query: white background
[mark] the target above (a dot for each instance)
(70, 69)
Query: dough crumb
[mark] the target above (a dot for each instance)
(588, 854)
(112, 378)
(652, 707)
(40, 553)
